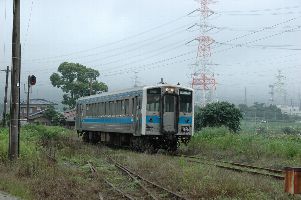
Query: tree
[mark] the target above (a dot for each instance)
(262, 112)
(74, 80)
(218, 114)
(55, 117)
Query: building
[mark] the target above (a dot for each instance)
(37, 108)
(69, 116)
(290, 110)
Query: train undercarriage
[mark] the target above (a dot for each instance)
(137, 143)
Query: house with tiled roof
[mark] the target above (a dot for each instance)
(69, 116)
(37, 108)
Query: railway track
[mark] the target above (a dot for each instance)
(154, 190)
(116, 189)
(239, 167)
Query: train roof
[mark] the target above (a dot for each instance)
(125, 92)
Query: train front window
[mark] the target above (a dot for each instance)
(153, 99)
(169, 103)
(185, 101)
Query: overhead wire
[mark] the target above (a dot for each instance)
(265, 28)
(28, 25)
(262, 10)
(140, 43)
(262, 29)
(115, 42)
(263, 38)
(228, 40)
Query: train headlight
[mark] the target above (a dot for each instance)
(170, 90)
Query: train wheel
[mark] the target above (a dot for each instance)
(85, 137)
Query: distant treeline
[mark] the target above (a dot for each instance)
(263, 112)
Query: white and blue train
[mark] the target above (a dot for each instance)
(143, 117)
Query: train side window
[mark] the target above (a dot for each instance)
(93, 109)
(126, 106)
(107, 108)
(133, 106)
(101, 109)
(98, 109)
(119, 107)
(111, 108)
(88, 110)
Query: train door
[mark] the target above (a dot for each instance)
(139, 115)
(169, 120)
(136, 111)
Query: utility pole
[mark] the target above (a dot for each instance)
(27, 106)
(90, 86)
(90, 76)
(5, 95)
(136, 82)
(15, 84)
(245, 101)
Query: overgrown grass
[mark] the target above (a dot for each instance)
(53, 164)
(34, 175)
(201, 181)
(220, 143)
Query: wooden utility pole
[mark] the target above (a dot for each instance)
(15, 84)
(5, 96)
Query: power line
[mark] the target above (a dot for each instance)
(257, 40)
(118, 41)
(141, 43)
(265, 28)
(262, 29)
(28, 24)
(261, 10)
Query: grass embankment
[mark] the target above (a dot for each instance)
(35, 175)
(53, 164)
(272, 150)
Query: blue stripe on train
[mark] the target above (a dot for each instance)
(156, 119)
(153, 119)
(129, 120)
(109, 120)
(185, 120)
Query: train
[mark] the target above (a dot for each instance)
(149, 117)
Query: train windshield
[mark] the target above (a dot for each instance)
(153, 99)
(185, 101)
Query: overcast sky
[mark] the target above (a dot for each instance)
(120, 37)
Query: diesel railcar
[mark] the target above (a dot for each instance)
(143, 117)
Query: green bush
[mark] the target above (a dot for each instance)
(290, 131)
(217, 115)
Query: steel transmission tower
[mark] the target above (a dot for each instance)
(203, 79)
(279, 86)
(272, 94)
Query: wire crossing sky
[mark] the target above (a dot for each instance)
(253, 40)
